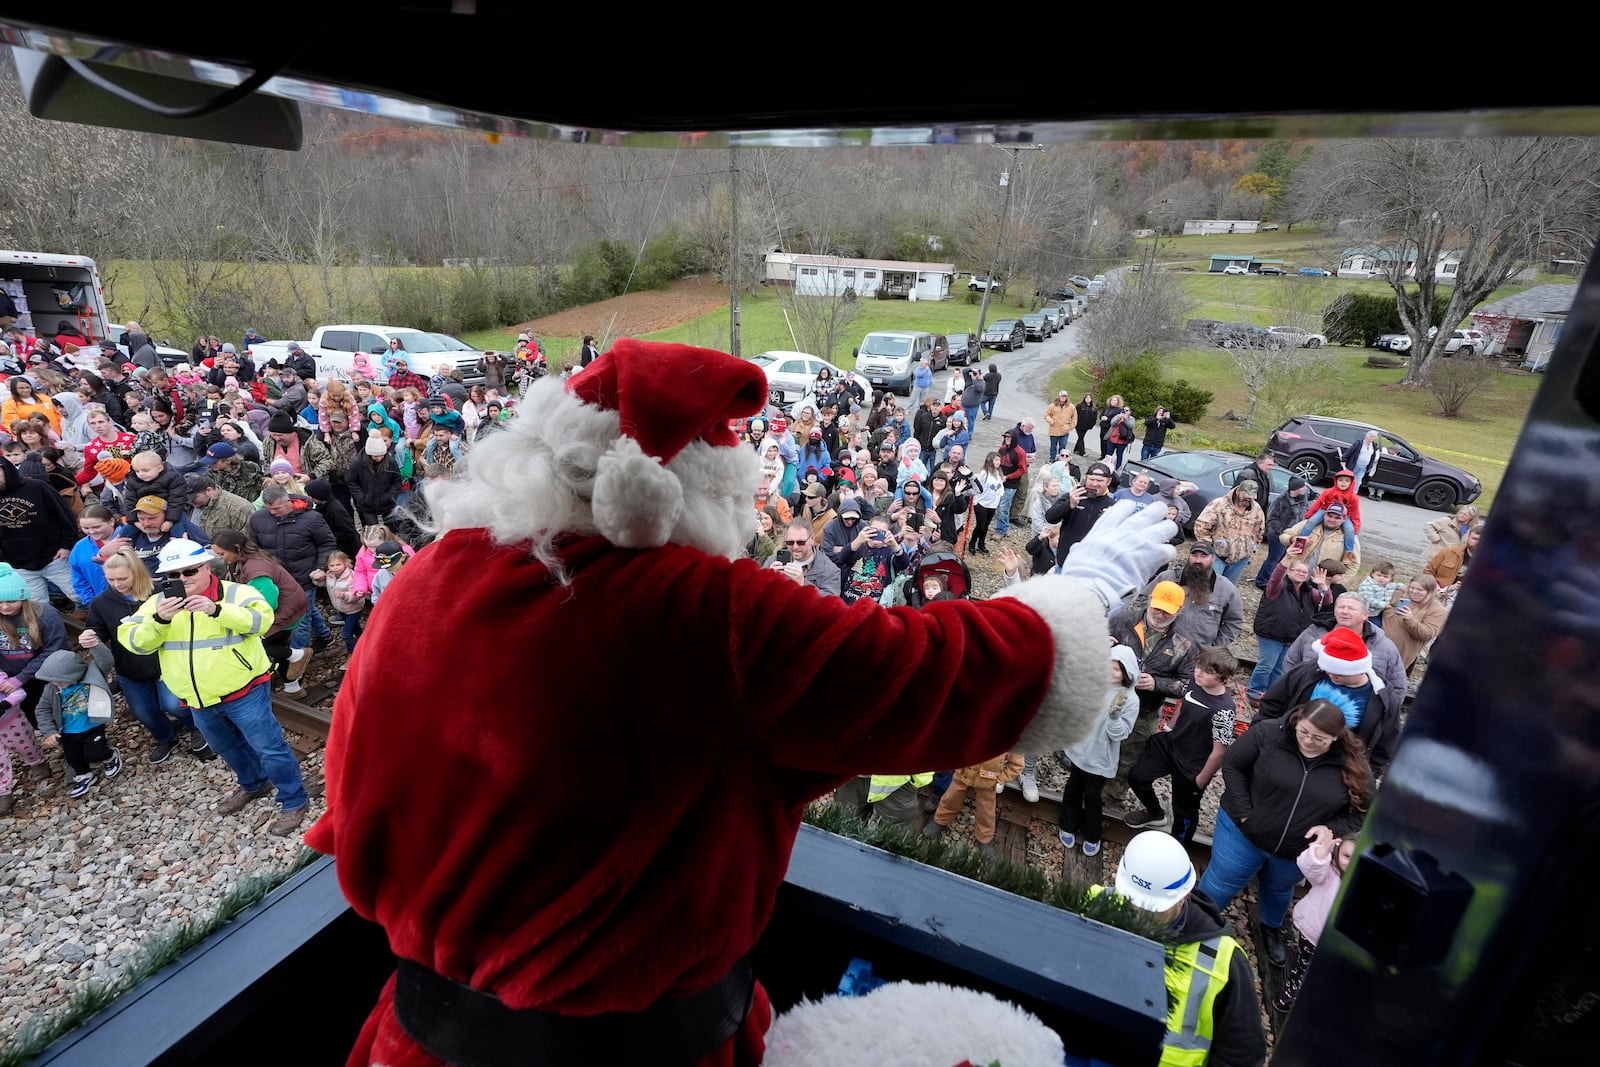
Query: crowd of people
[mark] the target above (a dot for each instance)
(856, 493)
(268, 505)
(212, 526)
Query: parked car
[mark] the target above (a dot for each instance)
(1465, 341)
(1038, 326)
(1269, 227)
(1269, 269)
(1080, 281)
(1311, 446)
(1064, 292)
(980, 282)
(171, 356)
(1202, 327)
(1313, 272)
(1295, 337)
(1207, 472)
(964, 348)
(1393, 342)
(1009, 334)
(1056, 315)
(1236, 268)
(791, 374)
(1241, 335)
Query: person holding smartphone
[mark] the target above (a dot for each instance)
(798, 558)
(207, 634)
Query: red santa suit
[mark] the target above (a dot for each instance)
(578, 791)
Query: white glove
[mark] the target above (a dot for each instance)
(1125, 547)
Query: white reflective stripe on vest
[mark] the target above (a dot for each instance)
(883, 785)
(208, 642)
(233, 594)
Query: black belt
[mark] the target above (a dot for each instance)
(468, 1028)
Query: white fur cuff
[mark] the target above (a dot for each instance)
(905, 1024)
(1081, 676)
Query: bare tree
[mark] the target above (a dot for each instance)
(1480, 209)
(1454, 382)
(821, 324)
(1136, 316)
(70, 187)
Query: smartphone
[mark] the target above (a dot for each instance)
(1300, 543)
(173, 587)
(1403, 602)
(783, 555)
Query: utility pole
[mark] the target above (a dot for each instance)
(1005, 210)
(733, 272)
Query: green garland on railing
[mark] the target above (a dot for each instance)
(1068, 894)
(41, 1031)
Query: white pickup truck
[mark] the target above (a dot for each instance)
(334, 349)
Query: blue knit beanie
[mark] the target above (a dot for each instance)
(12, 587)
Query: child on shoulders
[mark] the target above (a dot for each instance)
(1344, 495)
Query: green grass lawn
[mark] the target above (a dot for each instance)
(1480, 442)
(762, 325)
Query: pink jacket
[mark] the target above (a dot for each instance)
(366, 567)
(1311, 914)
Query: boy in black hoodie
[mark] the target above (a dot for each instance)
(37, 533)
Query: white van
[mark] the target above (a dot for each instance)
(55, 292)
(888, 358)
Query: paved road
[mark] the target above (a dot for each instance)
(1390, 528)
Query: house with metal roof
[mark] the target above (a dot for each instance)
(1527, 324)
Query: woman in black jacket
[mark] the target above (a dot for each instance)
(1112, 409)
(1286, 607)
(128, 585)
(1086, 416)
(1284, 780)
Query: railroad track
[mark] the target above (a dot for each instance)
(1013, 816)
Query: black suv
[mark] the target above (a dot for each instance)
(964, 349)
(1313, 446)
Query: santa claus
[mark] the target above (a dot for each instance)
(571, 800)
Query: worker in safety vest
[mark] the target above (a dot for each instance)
(1213, 1016)
(891, 798)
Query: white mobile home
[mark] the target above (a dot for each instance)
(869, 278)
(1207, 226)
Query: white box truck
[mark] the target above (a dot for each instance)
(52, 289)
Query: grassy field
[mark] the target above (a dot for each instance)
(762, 325)
(1480, 442)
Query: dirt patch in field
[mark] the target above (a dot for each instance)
(636, 314)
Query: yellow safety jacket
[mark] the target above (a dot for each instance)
(205, 660)
(1196, 973)
(881, 785)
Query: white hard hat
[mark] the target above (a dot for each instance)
(1155, 872)
(181, 553)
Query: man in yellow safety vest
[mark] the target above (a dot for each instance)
(1213, 1017)
(891, 798)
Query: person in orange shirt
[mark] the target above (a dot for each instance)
(25, 401)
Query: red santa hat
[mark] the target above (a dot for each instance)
(1343, 652)
(667, 397)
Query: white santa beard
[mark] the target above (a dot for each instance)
(537, 480)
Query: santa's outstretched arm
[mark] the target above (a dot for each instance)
(949, 685)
